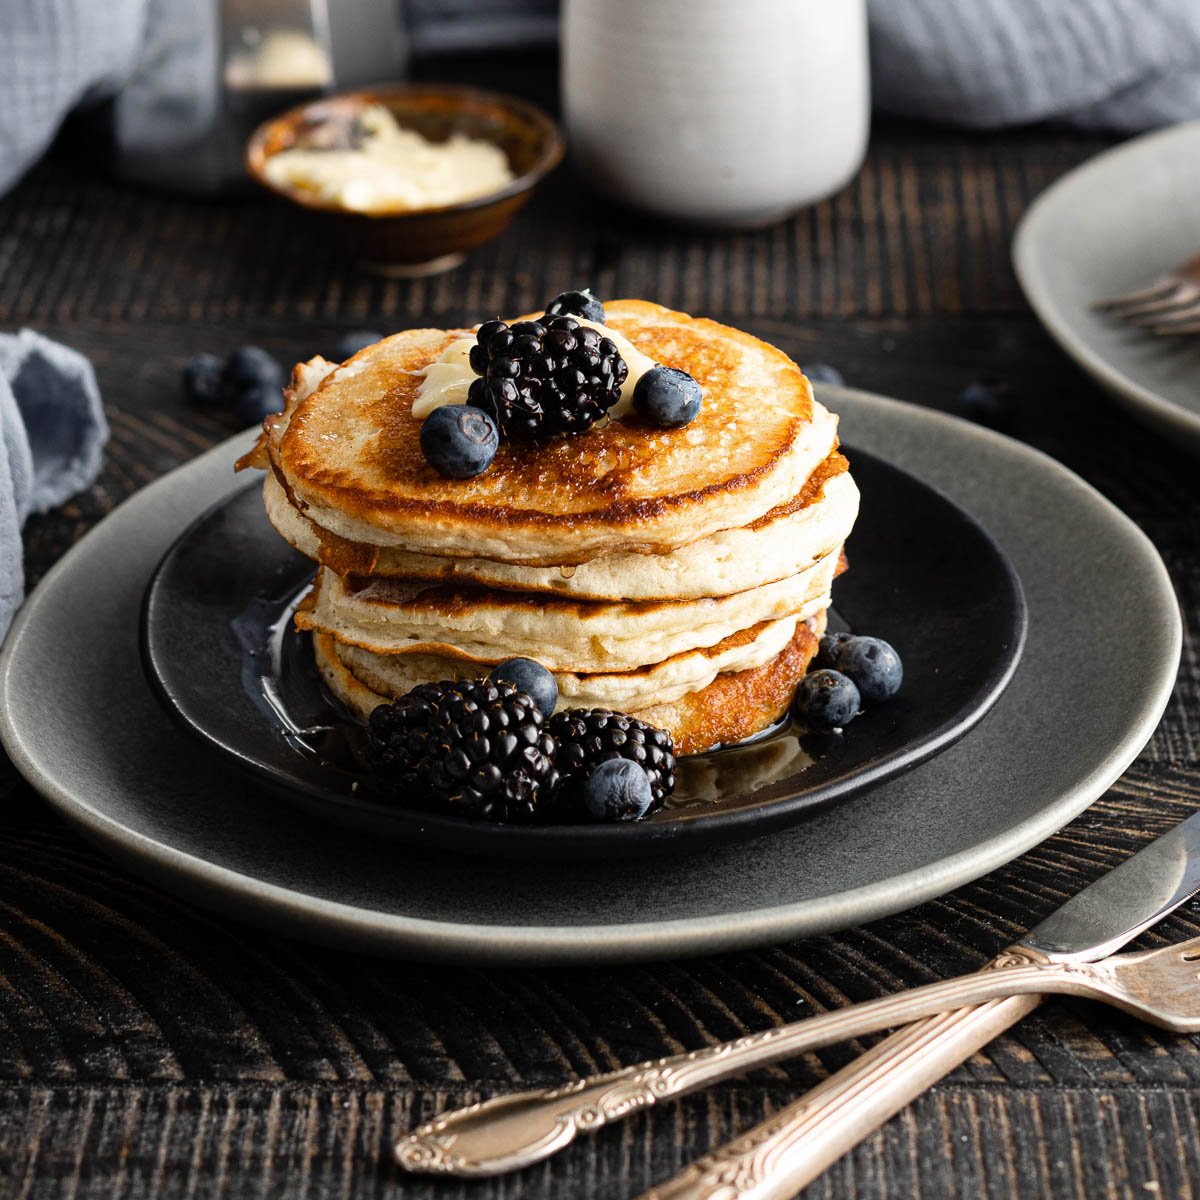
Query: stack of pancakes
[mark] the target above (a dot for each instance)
(680, 575)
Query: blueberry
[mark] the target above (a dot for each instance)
(826, 700)
(984, 403)
(255, 403)
(250, 367)
(826, 655)
(667, 397)
(349, 344)
(532, 678)
(617, 790)
(459, 440)
(576, 304)
(202, 380)
(873, 665)
(823, 373)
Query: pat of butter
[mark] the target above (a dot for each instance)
(393, 169)
(448, 377)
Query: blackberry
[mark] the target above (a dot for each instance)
(473, 748)
(587, 737)
(542, 378)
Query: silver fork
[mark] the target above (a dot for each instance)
(1170, 305)
(510, 1132)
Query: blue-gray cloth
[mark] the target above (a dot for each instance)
(52, 432)
(1118, 64)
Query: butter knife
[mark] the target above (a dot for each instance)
(788, 1151)
(513, 1131)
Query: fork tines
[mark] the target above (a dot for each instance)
(1169, 305)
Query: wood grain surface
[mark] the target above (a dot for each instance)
(148, 1049)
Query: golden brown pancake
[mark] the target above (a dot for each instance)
(789, 539)
(350, 459)
(734, 707)
(393, 616)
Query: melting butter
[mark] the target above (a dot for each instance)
(393, 169)
(449, 377)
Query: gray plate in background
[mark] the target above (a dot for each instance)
(1103, 647)
(1109, 227)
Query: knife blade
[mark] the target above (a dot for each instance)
(1125, 901)
(786, 1153)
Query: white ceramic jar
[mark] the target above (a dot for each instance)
(716, 112)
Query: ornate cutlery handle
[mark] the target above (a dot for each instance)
(514, 1131)
(789, 1150)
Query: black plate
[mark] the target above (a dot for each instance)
(221, 653)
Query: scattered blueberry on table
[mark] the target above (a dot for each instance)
(349, 344)
(257, 402)
(202, 381)
(984, 402)
(250, 382)
(823, 373)
(250, 367)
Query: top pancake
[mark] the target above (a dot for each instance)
(350, 458)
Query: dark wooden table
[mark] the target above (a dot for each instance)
(150, 1049)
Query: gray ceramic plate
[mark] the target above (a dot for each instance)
(1108, 227)
(1101, 655)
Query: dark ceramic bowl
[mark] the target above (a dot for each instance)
(425, 240)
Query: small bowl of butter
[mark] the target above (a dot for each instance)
(409, 177)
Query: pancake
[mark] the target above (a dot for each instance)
(735, 706)
(393, 675)
(485, 625)
(787, 540)
(349, 457)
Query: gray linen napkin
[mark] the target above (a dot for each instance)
(1102, 64)
(52, 430)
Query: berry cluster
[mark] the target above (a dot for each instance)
(544, 378)
(250, 380)
(851, 674)
(490, 749)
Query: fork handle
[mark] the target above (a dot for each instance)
(789, 1150)
(518, 1129)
